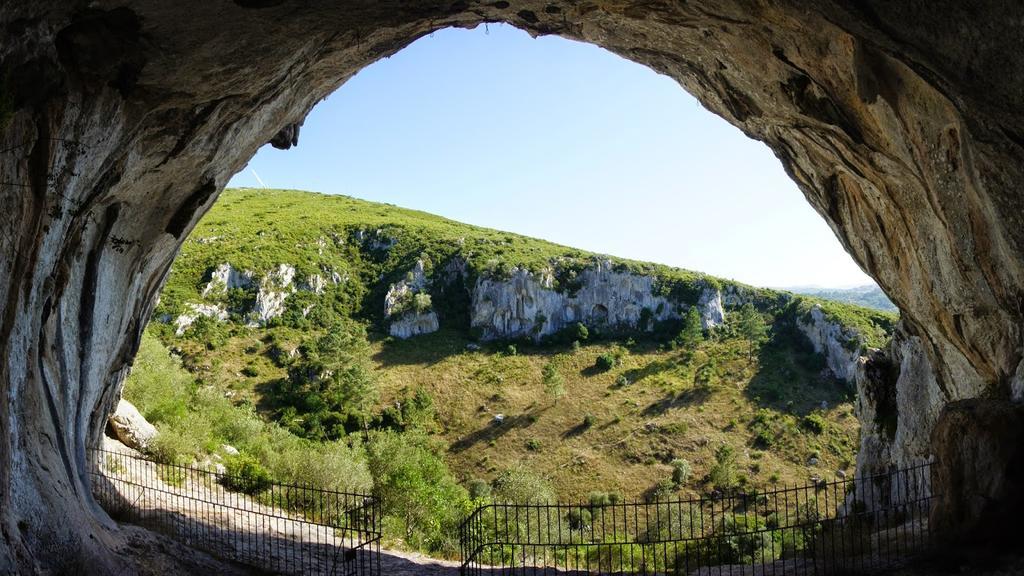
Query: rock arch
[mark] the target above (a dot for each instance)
(900, 122)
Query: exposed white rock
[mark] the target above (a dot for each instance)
(229, 449)
(183, 322)
(710, 306)
(315, 284)
(226, 277)
(275, 288)
(130, 427)
(527, 306)
(840, 346)
(412, 324)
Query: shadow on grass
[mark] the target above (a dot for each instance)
(493, 430)
(791, 376)
(688, 397)
(576, 430)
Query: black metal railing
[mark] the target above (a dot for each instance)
(287, 529)
(847, 526)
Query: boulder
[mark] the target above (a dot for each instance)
(130, 427)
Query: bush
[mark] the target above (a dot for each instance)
(245, 474)
(589, 420)
(533, 445)
(479, 489)
(578, 518)
(606, 362)
(423, 502)
(681, 471)
(814, 423)
(521, 485)
(510, 350)
(723, 474)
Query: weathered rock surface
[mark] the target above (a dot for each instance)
(527, 305)
(131, 427)
(900, 121)
(980, 465)
(185, 321)
(226, 277)
(414, 324)
(840, 345)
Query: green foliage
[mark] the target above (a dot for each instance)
(814, 423)
(692, 333)
(409, 412)
(723, 473)
(589, 420)
(534, 445)
(246, 474)
(751, 325)
(608, 360)
(479, 489)
(417, 490)
(330, 390)
(681, 471)
(521, 484)
(873, 327)
(554, 384)
(158, 385)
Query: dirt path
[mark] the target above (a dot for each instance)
(198, 511)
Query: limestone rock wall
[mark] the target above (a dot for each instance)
(841, 346)
(526, 305)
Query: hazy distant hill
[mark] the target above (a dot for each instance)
(868, 295)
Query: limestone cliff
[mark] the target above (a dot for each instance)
(840, 345)
(407, 305)
(526, 305)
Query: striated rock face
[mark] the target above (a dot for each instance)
(130, 427)
(400, 305)
(900, 122)
(527, 306)
(413, 324)
(898, 405)
(275, 288)
(185, 321)
(841, 346)
(226, 277)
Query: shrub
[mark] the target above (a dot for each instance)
(814, 423)
(606, 361)
(533, 445)
(479, 489)
(578, 518)
(521, 484)
(245, 474)
(723, 474)
(589, 420)
(681, 471)
(510, 350)
(553, 383)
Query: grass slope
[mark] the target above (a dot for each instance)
(616, 430)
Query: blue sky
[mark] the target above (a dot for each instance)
(563, 141)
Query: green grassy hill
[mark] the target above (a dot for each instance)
(320, 393)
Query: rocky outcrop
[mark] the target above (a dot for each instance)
(183, 322)
(414, 324)
(899, 121)
(526, 305)
(275, 288)
(130, 427)
(840, 345)
(407, 305)
(898, 404)
(979, 463)
(226, 277)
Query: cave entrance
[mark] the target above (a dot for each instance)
(897, 123)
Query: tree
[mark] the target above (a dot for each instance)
(692, 333)
(553, 383)
(752, 327)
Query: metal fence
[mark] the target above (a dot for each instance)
(850, 526)
(282, 528)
